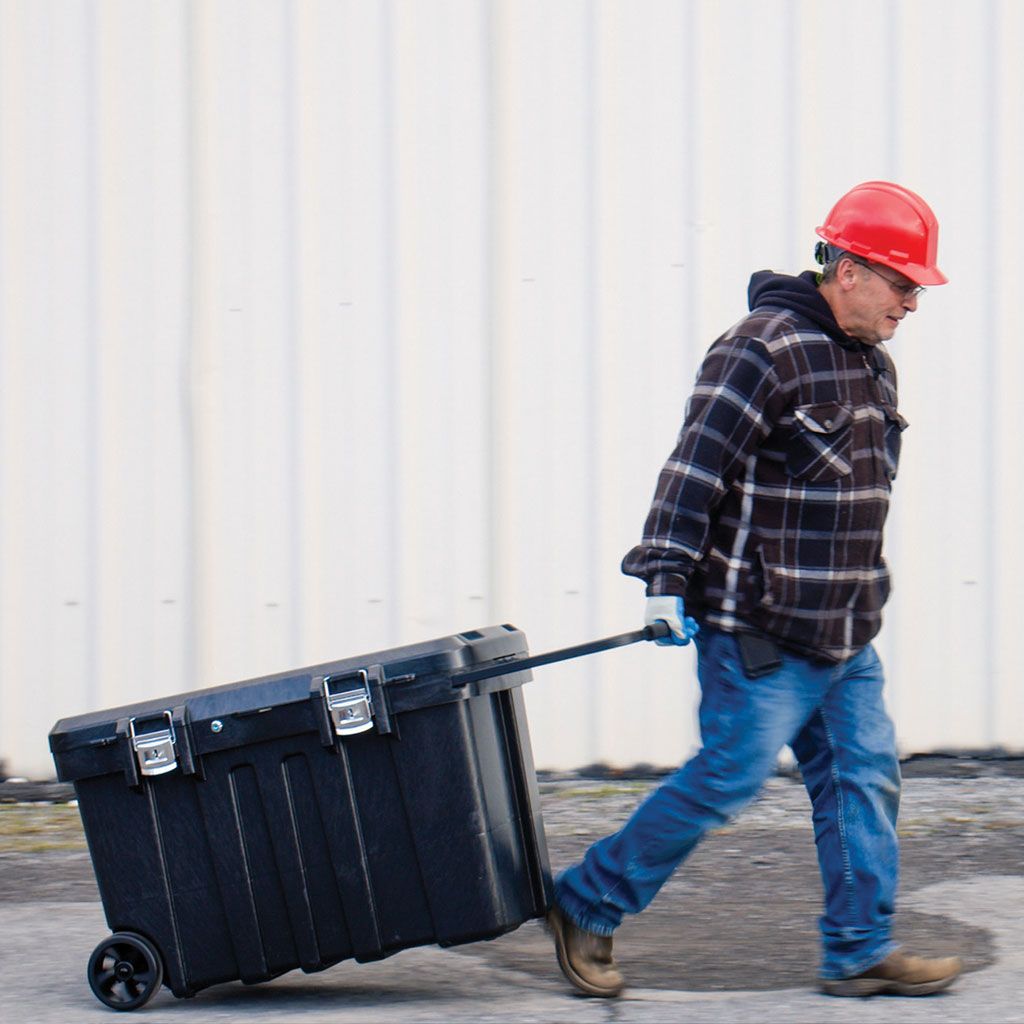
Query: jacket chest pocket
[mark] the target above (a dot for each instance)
(895, 424)
(821, 448)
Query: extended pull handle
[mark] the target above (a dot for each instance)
(502, 668)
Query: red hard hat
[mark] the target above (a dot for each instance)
(889, 224)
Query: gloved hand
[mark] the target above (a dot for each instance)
(666, 608)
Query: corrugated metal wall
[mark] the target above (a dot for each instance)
(326, 326)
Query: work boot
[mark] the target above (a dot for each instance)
(899, 974)
(585, 958)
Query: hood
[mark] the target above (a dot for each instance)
(801, 295)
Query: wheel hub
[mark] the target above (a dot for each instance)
(124, 970)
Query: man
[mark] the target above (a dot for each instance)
(766, 529)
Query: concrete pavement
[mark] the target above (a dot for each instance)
(731, 938)
(43, 948)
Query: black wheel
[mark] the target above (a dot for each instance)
(125, 971)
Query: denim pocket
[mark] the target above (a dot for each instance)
(821, 447)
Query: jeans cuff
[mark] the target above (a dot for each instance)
(851, 968)
(580, 915)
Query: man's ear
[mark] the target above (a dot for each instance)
(846, 273)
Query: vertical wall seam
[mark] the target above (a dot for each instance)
(93, 529)
(894, 680)
(490, 130)
(388, 71)
(690, 146)
(992, 575)
(293, 344)
(791, 146)
(592, 343)
(894, 106)
(190, 482)
(4, 342)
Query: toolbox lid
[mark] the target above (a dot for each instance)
(336, 698)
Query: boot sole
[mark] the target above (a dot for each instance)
(863, 987)
(554, 925)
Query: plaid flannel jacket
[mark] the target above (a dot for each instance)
(768, 514)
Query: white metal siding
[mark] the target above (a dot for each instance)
(329, 325)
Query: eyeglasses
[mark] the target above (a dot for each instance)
(905, 291)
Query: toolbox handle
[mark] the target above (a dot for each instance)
(655, 631)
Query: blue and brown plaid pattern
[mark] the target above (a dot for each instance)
(768, 514)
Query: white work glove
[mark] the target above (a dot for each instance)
(670, 610)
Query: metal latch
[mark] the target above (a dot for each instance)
(351, 710)
(154, 750)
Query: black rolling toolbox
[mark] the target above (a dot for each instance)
(347, 810)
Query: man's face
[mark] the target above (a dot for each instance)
(877, 302)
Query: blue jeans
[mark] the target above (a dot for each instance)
(833, 718)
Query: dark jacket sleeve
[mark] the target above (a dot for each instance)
(734, 404)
